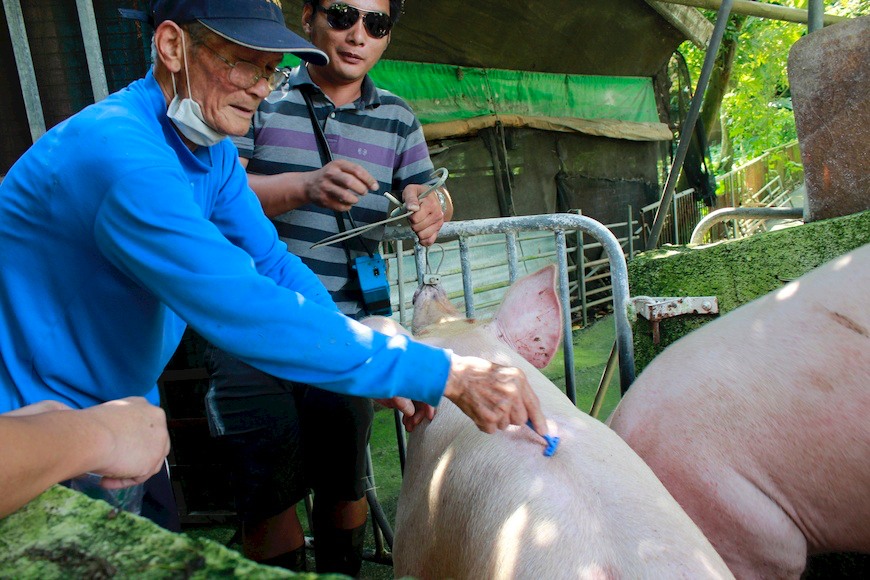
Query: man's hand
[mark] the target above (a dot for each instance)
(428, 217)
(413, 412)
(493, 396)
(137, 440)
(338, 185)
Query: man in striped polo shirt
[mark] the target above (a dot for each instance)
(283, 438)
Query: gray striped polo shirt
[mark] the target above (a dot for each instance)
(378, 131)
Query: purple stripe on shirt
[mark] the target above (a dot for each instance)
(286, 138)
(416, 153)
(368, 152)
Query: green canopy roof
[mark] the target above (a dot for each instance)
(616, 106)
(440, 93)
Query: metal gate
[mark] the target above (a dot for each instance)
(516, 259)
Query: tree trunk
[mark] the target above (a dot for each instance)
(721, 75)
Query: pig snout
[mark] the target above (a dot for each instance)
(429, 292)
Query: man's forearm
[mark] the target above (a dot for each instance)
(279, 193)
(40, 450)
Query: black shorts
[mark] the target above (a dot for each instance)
(282, 438)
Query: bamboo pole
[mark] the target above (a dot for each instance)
(94, 55)
(26, 71)
(760, 9)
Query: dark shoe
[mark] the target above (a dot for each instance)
(293, 560)
(339, 551)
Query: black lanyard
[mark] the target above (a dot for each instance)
(326, 157)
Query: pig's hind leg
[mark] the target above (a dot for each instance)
(747, 525)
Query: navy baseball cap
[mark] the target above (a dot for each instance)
(256, 24)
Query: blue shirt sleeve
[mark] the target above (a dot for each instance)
(233, 281)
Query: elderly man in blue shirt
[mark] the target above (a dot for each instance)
(133, 219)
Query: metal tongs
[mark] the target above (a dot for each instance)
(440, 176)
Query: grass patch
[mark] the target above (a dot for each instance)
(591, 348)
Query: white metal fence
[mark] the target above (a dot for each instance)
(773, 179)
(684, 215)
(490, 256)
(511, 260)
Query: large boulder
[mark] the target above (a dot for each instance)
(830, 88)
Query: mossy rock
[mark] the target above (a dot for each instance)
(736, 272)
(64, 534)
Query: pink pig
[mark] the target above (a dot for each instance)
(474, 505)
(759, 422)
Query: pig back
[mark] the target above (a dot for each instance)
(492, 506)
(758, 422)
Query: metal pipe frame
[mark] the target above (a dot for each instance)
(766, 10)
(688, 127)
(93, 54)
(559, 224)
(26, 71)
(815, 15)
(726, 213)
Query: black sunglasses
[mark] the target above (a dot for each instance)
(342, 16)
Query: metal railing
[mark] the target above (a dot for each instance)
(681, 219)
(755, 213)
(736, 187)
(589, 285)
(559, 225)
(766, 181)
(769, 180)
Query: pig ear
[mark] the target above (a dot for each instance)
(530, 317)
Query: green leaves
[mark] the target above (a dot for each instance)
(756, 104)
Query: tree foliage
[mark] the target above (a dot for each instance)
(755, 108)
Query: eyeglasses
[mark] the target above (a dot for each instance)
(342, 16)
(246, 74)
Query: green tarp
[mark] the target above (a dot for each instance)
(439, 93)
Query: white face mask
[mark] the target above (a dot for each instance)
(187, 114)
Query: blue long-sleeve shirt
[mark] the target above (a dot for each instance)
(114, 236)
